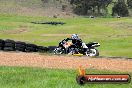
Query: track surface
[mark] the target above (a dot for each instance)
(63, 62)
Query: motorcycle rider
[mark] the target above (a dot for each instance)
(77, 43)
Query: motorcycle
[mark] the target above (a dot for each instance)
(69, 48)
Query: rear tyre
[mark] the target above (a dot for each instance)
(92, 52)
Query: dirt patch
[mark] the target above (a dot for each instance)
(63, 62)
(19, 30)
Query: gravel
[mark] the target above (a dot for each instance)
(63, 62)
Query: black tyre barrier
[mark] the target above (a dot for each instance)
(42, 49)
(20, 43)
(1, 48)
(2, 42)
(31, 48)
(9, 49)
(20, 49)
(9, 45)
(20, 46)
(51, 48)
(52, 23)
(9, 41)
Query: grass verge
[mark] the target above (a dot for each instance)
(21, 77)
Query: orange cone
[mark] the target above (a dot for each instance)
(81, 71)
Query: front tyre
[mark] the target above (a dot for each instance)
(59, 51)
(92, 52)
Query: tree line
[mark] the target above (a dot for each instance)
(100, 7)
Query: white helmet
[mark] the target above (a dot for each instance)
(74, 36)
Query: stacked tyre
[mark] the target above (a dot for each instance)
(31, 48)
(42, 49)
(20, 46)
(2, 42)
(9, 45)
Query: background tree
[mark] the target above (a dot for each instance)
(129, 2)
(90, 7)
(120, 9)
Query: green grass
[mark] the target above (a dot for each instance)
(114, 35)
(21, 77)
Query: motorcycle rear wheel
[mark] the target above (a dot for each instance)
(92, 52)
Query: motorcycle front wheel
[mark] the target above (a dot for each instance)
(59, 51)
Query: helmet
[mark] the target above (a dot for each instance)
(74, 36)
